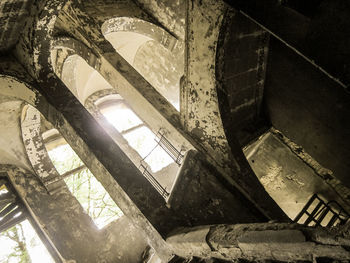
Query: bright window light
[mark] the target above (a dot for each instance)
(21, 243)
(64, 158)
(92, 196)
(121, 117)
(138, 136)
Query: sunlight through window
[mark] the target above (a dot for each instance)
(136, 133)
(20, 243)
(90, 193)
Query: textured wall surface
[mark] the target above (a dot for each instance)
(12, 17)
(310, 109)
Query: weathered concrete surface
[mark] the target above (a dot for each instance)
(309, 109)
(171, 14)
(270, 241)
(200, 107)
(286, 177)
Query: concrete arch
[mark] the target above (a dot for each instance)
(143, 27)
(13, 94)
(156, 54)
(73, 62)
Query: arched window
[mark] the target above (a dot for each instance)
(138, 135)
(92, 196)
(140, 130)
(154, 53)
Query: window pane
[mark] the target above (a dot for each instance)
(143, 141)
(158, 159)
(22, 244)
(64, 158)
(121, 117)
(90, 193)
(92, 196)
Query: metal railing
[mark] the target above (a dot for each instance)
(163, 192)
(11, 209)
(170, 149)
(317, 212)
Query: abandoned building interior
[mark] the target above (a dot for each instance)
(156, 131)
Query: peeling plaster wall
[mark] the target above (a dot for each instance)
(13, 14)
(12, 149)
(200, 104)
(200, 109)
(162, 69)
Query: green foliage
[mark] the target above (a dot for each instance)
(85, 187)
(19, 253)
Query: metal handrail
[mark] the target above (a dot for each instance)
(321, 210)
(170, 149)
(163, 192)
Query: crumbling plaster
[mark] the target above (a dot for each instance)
(285, 176)
(260, 242)
(200, 106)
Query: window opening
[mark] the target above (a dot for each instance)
(157, 56)
(138, 135)
(19, 242)
(90, 193)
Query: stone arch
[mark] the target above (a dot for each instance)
(13, 94)
(153, 52)
(68, 59)
(143, 27)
